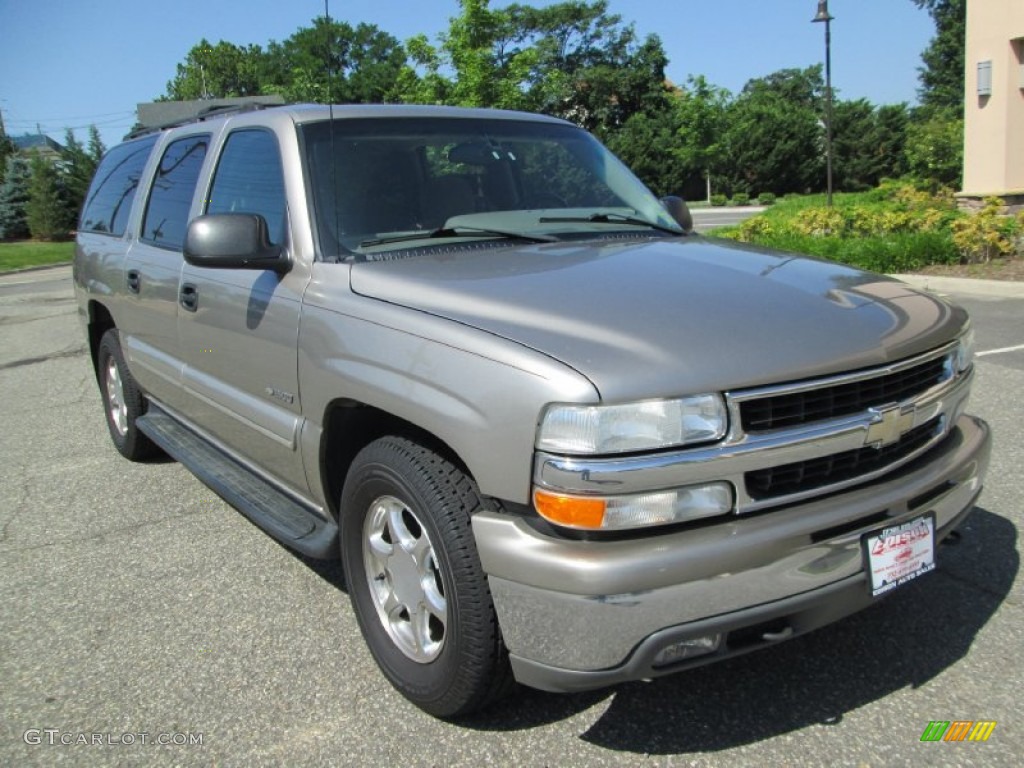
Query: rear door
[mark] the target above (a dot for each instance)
(239, 328)
(104, 238)
(153, 270)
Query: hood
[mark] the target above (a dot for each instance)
(667, 317)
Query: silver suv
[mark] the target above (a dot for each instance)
(554, 436)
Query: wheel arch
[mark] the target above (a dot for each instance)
(350, 425)
(100, 321)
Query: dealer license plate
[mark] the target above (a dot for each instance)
(899, 554)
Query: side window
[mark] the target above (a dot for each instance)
(249, 180)
(113, 188)
(173, 187)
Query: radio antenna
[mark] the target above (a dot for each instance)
(330, 111)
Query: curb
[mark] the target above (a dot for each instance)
(1004, 289)
(39, 268)
(751, 209)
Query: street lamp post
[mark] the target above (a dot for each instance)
(824, 16)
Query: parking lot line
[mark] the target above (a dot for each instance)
(1000, 351)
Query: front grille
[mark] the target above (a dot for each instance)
(808, 475)
(796, 408)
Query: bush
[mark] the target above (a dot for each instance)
(741, 198)
(819, 222)
(718, 200)
(988, 234)
(755, 230)
(766, 198)
(895, 228)
(902, 252)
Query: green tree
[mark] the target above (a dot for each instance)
(217, 71)
(803, 88)
(868, 143)
(6, 149)
(889, 143)
(775, 140)
(631, 81)
(572, 59)
(14, 193)
(334, 61)
(469, 45)
(934, 149)
(942, 73)
(420, 80)
(95, 148)
(701, 111)
(648, 144)
(77, 168)
(47, 207)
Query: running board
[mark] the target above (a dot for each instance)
(288, 521)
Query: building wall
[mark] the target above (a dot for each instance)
(994, 124)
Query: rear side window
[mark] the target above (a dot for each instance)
(114, 186)
(249, 180)
(173, 188)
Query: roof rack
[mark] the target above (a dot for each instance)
(163, 115)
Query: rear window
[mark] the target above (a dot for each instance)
(174, 187)
(113, 188)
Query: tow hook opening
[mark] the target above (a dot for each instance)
(760, 634)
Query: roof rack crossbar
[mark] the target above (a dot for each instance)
(195, 112)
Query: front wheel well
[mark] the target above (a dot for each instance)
(349, 426)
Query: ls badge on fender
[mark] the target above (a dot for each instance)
(280, 394)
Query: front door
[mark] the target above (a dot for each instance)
(238, 328)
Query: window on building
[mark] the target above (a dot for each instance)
(985, 78)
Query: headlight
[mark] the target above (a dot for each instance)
(965, 351)
(644, 426)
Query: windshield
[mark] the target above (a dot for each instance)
(379, 183)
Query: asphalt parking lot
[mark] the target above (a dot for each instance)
(134, 601)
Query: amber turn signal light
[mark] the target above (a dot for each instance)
(571, 511)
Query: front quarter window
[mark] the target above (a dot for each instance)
(248, 179)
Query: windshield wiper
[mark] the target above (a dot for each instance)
(460, 230)
(610, 218)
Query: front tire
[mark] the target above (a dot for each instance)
(123, 402)
(415, 580)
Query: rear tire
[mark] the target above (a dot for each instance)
(415, 580)
(123, 402)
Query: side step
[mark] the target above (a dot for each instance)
(278, 514)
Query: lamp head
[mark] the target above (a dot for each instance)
(823, 14)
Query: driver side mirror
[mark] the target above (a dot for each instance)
(233, 241)
(679, 211)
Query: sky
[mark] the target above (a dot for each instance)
(72, 63)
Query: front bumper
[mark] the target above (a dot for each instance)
(577, 615)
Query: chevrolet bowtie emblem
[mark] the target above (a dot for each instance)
(888, 425)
